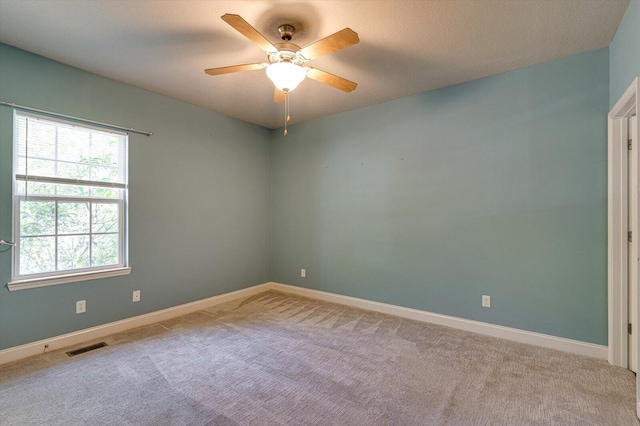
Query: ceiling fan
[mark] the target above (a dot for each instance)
(285, 60)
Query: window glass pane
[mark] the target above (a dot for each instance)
(104, 149)
(104, 218)
(37, 254)
(104, 192)
(43, 146)
(41, 137)
(35, 188)
(68, 149)
(73, 252)
(37, 218)
(21, 138)
(43, 188)
(74, 145)
(104, 174)
(104, 250)
(73, 218)
(41, 167)
(72, 190)
(21, 166)
(39, 132)
(73, 171)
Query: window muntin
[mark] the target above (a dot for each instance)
(70, 192)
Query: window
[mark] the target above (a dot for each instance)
(70, 201)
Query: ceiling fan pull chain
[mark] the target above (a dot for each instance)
(286, 111)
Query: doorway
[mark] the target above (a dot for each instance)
(624, 231)
(633, 246)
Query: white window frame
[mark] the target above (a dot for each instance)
(21, 282)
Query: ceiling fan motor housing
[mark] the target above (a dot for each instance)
(287, 52)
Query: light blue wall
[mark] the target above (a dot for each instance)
(496, 186)
(624, 53)
(199, 201)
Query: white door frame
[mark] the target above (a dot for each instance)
(634, 246)
(626, 106)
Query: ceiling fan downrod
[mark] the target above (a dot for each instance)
(286, 31)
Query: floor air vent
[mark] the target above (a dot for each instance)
(87, 349)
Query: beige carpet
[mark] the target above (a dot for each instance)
(278, 359)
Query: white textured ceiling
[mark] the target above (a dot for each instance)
(406, 47)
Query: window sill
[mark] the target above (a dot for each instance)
(63, 279)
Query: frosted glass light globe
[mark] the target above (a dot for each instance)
(285, 75)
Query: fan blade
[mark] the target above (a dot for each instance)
(331, 80)
(234, 68)
(336, 41)
(244, 28)
(278, 96)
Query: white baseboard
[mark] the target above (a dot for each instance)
(508, 333)
(58, 342)
(544, 340)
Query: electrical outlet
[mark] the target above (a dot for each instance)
(81, 306)
(303, 273)
(136, 295)
(486, 301)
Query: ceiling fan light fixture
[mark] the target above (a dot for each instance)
(286, 75)
(285, 68)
